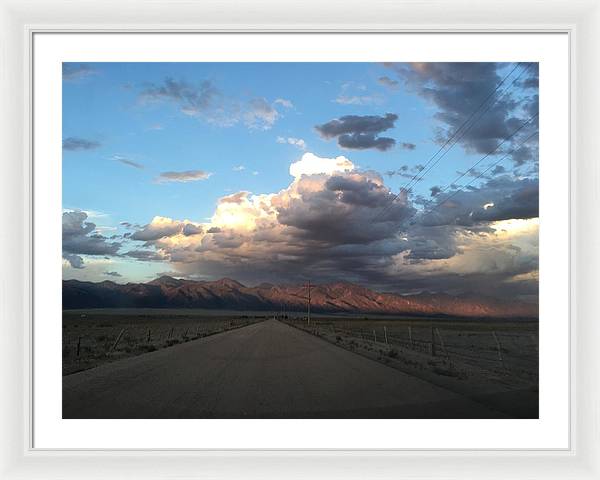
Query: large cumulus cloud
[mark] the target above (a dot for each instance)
(331, 223)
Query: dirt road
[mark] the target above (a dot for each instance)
(266, 370)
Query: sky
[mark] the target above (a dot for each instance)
(400, 177)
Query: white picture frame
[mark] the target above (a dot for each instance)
(19, 21)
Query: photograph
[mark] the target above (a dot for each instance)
(300, 240)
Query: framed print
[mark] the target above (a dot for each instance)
(343, 272)
(298, 243)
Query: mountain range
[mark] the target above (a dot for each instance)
(339, 297)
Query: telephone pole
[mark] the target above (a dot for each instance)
(308, 305)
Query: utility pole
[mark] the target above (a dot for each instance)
(308, 306)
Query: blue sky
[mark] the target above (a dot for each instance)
(172, 140)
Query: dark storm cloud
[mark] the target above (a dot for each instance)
(435, 190)
(521, 204)
(80, 238)
(338, 214)
(360, 132)
(145, 255)
(358, 192)
(76, 143)
(436, 243)
(408, 146)
(76, 71)
(532, 80)
(502, 198)
(458, 90)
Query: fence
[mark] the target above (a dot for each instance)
(511, 352)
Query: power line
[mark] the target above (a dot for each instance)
(489, 107)
(481, 174)
(488, 154)
(419, 176)
(457, 131)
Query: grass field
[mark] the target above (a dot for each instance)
(493, 361)
(93, 337)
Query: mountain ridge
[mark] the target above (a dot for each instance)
(337, 297)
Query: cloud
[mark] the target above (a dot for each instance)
(408, 146)
(310, 164)
(165, 227)
(297, 142)
(127, 161)
(76, 71)
(145, 255)
(74, 260)
(335, 221)
(191, 229)
(353, 93)
(239, 168)
(183, 177)
(501, 198)
(356, 132)
(406, 171)
(284, 103)
(75, 143)
(435, 190)
(191, 99)
(81, 238)
(260, 114)
(458, 89)
(206, 101)
(358, 100)
(112, 274)
(388, 82)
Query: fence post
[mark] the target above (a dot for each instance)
(149, 336)
(437, 330)
(374, 336)
(170, 333)
(499, 347)
(78, 345)
(410, 336)
(117, 340)
(432, 343)
(385, 334)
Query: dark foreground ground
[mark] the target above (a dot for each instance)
(264, 370)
